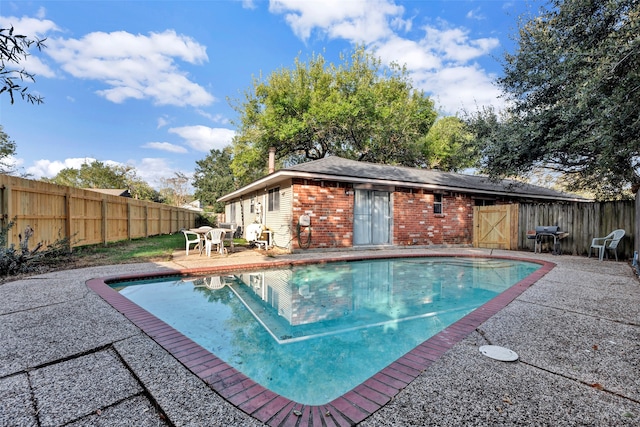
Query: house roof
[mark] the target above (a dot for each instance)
(193, 206)
(112, 191)
(345, 170)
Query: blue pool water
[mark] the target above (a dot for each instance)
(312, 333)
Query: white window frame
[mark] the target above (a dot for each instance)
(273, 199)
(438, 205)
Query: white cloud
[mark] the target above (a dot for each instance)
(41, 13)
(165, 146)
(454, 44)
(248, 4)
(358, 21)
(154, 171)
(49, 169)
(215, 118)
(30, 27)
(33, 29)
(441, 62)
(131, 66)
(11, 163)
(162, 122)
(37, 66)
(476, 14)
(135, 66)
(408, 52)
(203, 138)
(460, 87)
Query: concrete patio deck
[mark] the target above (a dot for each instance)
(69, 358)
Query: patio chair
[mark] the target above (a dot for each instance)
(191, 238)
(601, 244)
(214, 283)
(214, 237)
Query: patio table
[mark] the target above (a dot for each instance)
(228, 236)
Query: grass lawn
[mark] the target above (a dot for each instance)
(149, 249)
(155, 248)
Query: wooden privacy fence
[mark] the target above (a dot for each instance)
(583, 221)
(86, 217)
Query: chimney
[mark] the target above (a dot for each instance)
(272, 160)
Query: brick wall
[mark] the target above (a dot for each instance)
(330, 207)
(416, 224)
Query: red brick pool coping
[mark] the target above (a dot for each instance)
(275, 410)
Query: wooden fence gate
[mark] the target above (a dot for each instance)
(495, 227)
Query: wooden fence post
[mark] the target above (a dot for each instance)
(104, 220)
(129, 220)
(67, 221)
(4, 211)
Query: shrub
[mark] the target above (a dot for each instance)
(210, 220)
(22, 260)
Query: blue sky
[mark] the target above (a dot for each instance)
(147, 83)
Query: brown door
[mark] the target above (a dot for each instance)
(495, 227)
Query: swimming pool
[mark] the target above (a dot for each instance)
(312, 333)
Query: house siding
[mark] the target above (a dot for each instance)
(280, 221)
(241, 212)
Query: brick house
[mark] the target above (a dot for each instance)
(351, 204)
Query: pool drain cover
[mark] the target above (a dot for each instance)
(499, 353)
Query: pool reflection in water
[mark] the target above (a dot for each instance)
(312, 333)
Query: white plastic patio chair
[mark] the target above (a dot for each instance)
(191, 238)
(212, 238)
(601, 244)
(214, 283)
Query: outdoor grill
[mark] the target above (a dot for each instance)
(547, 232)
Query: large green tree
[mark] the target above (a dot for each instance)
(7, 150)
(450, 145)
(358, 109)
(14, 49)
(213, 178)
(97, 174)
(573, 84)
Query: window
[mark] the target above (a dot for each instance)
(274, 199)
(252, 205)
(437, 204)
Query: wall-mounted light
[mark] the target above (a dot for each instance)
(348, 193)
